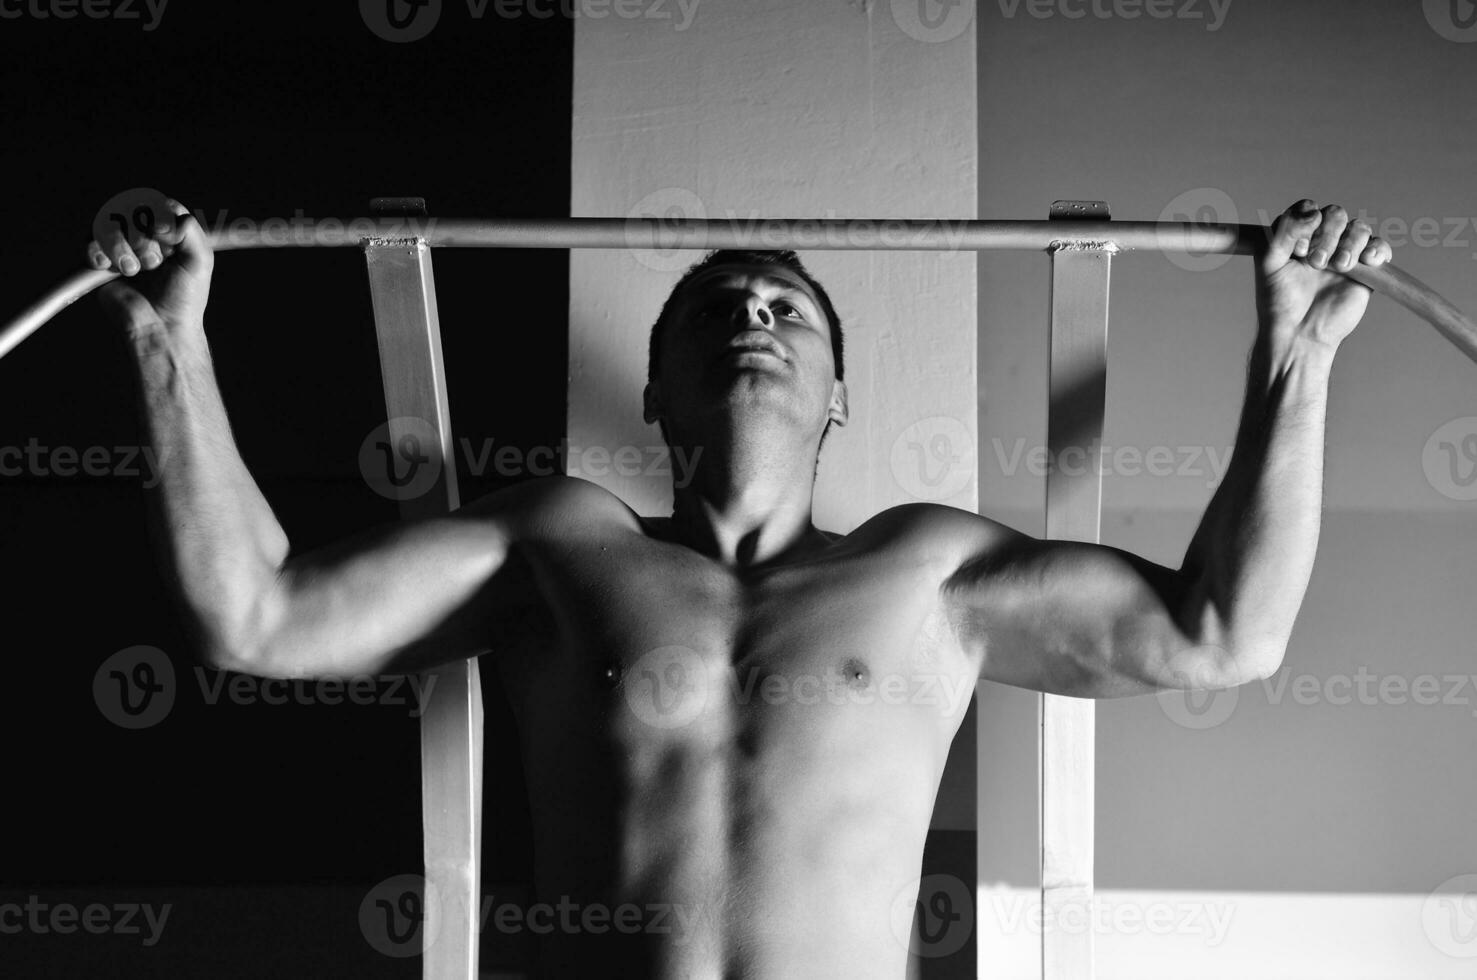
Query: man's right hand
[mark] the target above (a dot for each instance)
(165, 274)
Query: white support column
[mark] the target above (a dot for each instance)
(1080, 280)
(403, 291)
(772, 108)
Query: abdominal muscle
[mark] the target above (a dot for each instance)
(710, 862)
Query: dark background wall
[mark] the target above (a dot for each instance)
(258, 110)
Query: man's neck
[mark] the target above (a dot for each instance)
(748, 501)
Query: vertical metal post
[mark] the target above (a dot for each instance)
(1080, 281)
(404, 295)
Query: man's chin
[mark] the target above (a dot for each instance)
(746, 394)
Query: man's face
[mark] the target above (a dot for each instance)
(747, 338)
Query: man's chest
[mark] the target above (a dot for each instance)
(647, 634)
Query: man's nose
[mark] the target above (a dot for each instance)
(755, 313)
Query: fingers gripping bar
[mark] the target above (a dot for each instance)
(828, 234)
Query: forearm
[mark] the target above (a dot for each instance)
(1252, 556)
(219, 540)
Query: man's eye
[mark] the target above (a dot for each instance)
(782, 305)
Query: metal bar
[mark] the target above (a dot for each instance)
(1080, 281)
(854, 234)
(404, 294)
(821, 234)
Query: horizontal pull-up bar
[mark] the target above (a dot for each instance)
(819, 234)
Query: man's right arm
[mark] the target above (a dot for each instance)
(395, 598)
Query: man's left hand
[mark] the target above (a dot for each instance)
(1301, 293)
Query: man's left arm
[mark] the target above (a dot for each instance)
(1092, 621)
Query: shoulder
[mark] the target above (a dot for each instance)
(937, 527)
(946, 538)
(542, 506)
(962, 543)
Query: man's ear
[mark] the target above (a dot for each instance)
(838, 412)
(651, 403)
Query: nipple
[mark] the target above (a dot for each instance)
(855, 673)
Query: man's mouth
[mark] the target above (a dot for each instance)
(754, 342)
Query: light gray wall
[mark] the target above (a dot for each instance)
(1361, 102)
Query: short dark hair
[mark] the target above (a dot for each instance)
(784, 259)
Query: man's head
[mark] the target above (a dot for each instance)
(746, 330)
